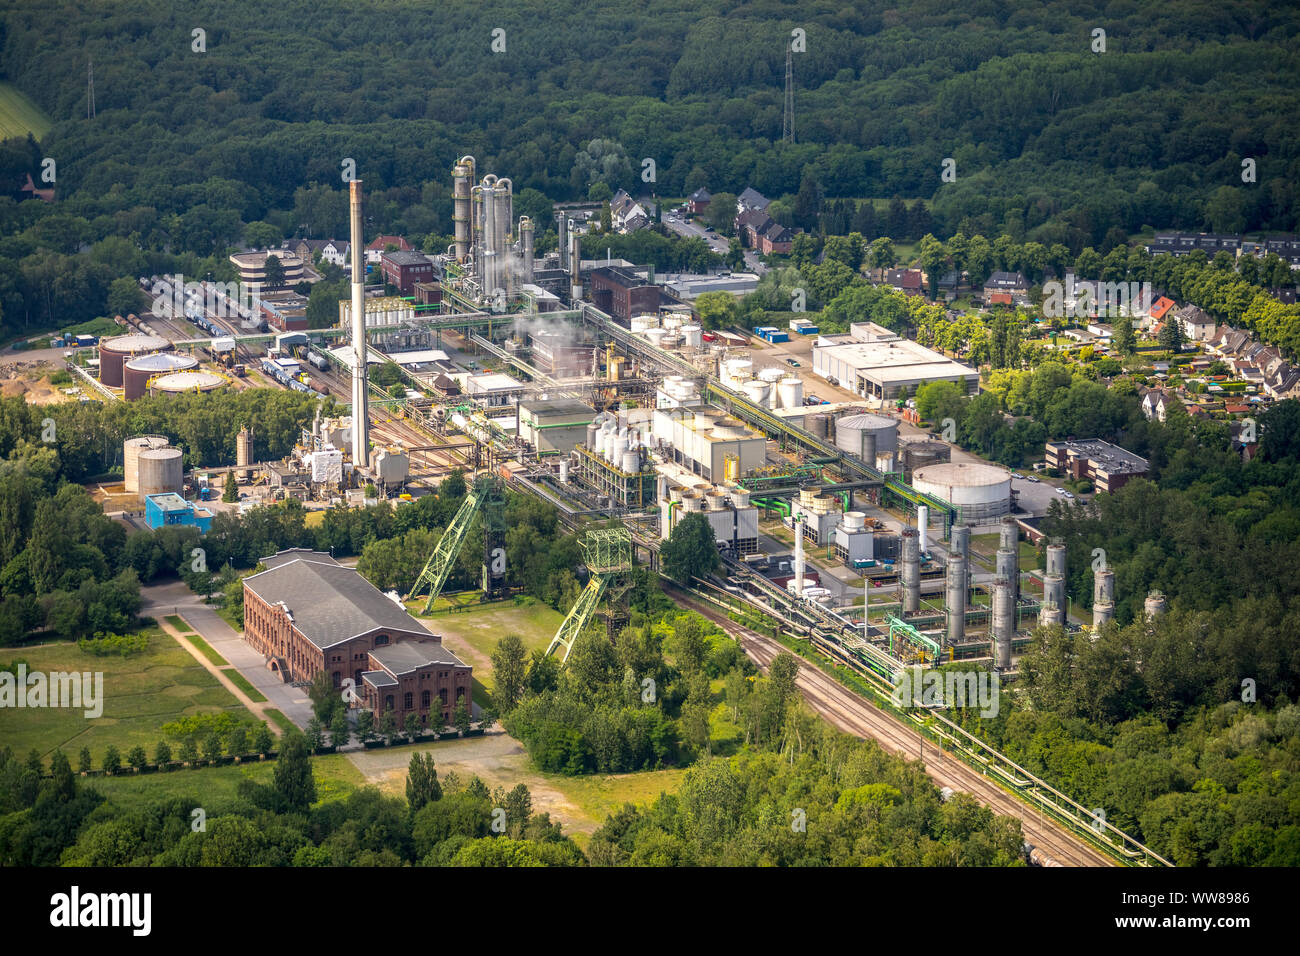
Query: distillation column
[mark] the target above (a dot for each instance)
(1053, 610)
(955, 594)
(909, 573)
(1103, 600)
(1004, 616)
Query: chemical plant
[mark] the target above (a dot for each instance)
(591, 386)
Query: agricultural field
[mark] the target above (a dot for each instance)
(19, 115)
(140, 694)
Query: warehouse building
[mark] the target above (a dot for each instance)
(554, 427)
(886, 369)
(702, 439)
(308, 614)
(404, 269)
(172, 509)
(1107, 466)
(623, 293)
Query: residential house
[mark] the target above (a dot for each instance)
(1012, 282)
(331, 250)
(627, 214)
(908, 281)
(376, 249)
(699, 201)
(1196, 323)
(751, 199)
(1155, 404)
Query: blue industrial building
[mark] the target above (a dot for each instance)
(171, 508)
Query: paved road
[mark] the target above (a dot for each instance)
(176, 598)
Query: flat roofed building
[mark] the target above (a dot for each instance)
(623, 293)
(885, 369)
(171, 508)
(1107, 466)
(493, 388)
(555, 426)
(252, 266)
(701, 440)
(307, 614)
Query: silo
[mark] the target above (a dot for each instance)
(789, 392)
(161, 471)
(244, 453)
(819, 425)
(137, 372)
(131, 449)
(1103, 600)
(909, 573)
(1155, 605)
(631, 461)
(919, 454)
(756, 391)
(1004, 618)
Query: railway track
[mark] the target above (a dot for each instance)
(852, 714)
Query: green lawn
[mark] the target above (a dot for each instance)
(208, 650)
(216, 787)
(140, 694)
(20, 116)
(286, 725)
(240, 681)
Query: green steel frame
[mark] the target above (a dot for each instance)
(607, 553)
(439, 565)
(908, 633)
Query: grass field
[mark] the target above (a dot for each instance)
(285, 724)
(140, 694)
(472, 634)
(240, 681)
(216, 787)
(207, 649)
(20, 116)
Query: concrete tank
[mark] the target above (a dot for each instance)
(131, 449)
(1056, 560)
(161, 471)
(819, 424)
(1155, 605)
(977, 491)
(137, 372)
(852, 431)
(114, 353)
(244, 452)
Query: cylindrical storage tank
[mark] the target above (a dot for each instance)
(740, 497)
(1006, 566)
(771, 375)
(632, 461)
(114, 353)
(692, 336)
(192, 381)
(977, 491)
(1056, 560)
(1004, 622)
(819, 425)
(854, 521)
(909, 572)
(923, 527)
(1155, 605)
(1103, 587)
(790, 393)
(137, 372)
(656, 337)
(244, 452)
(850, 429)
(564, 471)
(592, 430)
(1102, 614)
(131, 449)
(161, 471)
(756, 391)
(1009, 534)
(955, 599)
(1053, 600)
(919, 454)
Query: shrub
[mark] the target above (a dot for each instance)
(102, 645)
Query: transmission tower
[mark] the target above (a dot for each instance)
(90, 89)
(787, 124)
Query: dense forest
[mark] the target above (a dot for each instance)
(241, 134)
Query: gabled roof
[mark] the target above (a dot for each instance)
(329, 603)
(701, 195)
(381, 242)
(1161, 306)
(410, 656)
(751, 198)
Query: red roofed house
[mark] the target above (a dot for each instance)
(376, 249)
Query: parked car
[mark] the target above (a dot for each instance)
(1068, 495)
(792, 363)
(1060, 491)
(1032, 479)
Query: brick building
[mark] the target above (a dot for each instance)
(1107, 466)
(622, 293)
(405, 269)
(307, 614)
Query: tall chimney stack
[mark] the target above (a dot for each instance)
(360, 353)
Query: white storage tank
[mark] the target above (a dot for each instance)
(656, 337)
(692, 336)
(756, 391)
(771, 375)
(131, 449)
(977, 491)
(632, 461)
(851, 430)
(790, 393)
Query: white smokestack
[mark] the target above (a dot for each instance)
(360, 410)
(922, 526)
